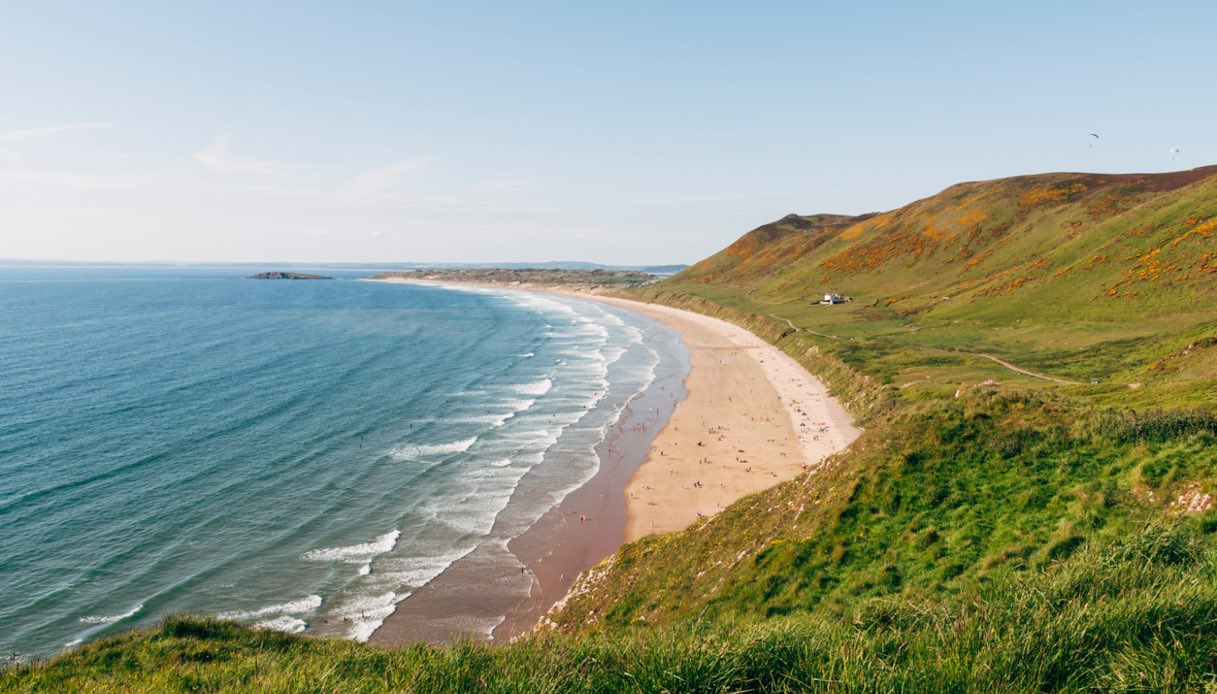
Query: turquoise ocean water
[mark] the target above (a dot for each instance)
(297, 455)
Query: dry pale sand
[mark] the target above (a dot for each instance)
(753, 418)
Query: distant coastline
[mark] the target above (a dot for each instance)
(524, 277)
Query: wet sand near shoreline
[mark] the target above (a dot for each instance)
(746, 417)
(587, 526)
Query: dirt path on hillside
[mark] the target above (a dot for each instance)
(1020, 370)
(990, 357)
(805, 330)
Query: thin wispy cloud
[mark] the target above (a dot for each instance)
(385, 179)
(220, 157)
(384, 184)
(494, 186)
(28, 134)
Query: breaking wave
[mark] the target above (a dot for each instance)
(355, 554)
(110, 619)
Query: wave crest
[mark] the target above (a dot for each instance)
(427, 450)
(355, 554)
(110, 619)
(301, 606)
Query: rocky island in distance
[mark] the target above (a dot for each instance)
(279, 275)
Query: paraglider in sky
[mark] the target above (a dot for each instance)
(1174, 152)
(1095, 136)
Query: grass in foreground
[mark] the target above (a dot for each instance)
(1139, 614)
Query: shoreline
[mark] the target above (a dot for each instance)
(584, 527)
(749, 418)
(591, 522)
(754, 418)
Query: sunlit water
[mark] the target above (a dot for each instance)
(288, 453)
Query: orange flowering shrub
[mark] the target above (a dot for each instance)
(1008, 287)
(973, 219)
(1050, 196)
(1172, 259)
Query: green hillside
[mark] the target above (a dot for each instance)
(1035, 360)
(1030, 507)
(1075, 276)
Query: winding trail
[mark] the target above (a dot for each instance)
(805, 330)
(990, 357)
(1020, 370)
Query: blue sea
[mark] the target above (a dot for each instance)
(297, 455)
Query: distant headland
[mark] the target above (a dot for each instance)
(524, 276)
(278, 275)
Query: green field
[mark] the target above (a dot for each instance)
(992, 530)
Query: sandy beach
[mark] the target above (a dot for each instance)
(745, 418)
(752, 418)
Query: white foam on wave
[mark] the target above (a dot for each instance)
(519, 406)
(302, 606)
(538, 388)
(527, 355)
(367, 613)
(355, 554)
(528, 447)
(286, 623)
(538, 303)
(110, 619)
(583, 352)
(429, 450)
(526, 436)
(416, 571)
(496, 420)
(651, 374)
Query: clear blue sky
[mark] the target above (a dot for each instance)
(622, 132)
